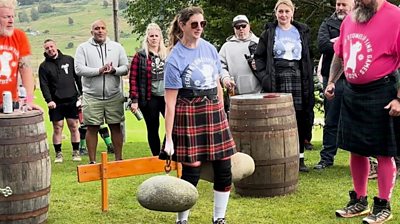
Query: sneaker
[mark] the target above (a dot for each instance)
(219, 221)
(110, 149)
(182, 222)
(381, 212)
(92, 162)
(83, 151)
(321, 165)
(75, 156)
(373, 169)
(355, 207)
(308, 145)
(59, 158)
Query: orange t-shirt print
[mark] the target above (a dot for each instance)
(12, 48)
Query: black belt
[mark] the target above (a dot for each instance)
(374, 84)
(191, 93)
(286, 63)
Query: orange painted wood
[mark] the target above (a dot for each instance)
(104, 182)
(124, 168)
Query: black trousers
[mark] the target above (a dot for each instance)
(302, 118)
(151, 114)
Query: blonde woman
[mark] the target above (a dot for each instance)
(147, 83)
(283, 61)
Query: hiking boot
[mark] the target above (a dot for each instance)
(76, 156)
(182, 222)
(373, 169)
(302, 166)
(321, 165)
(59, 157)
(308, 145)
(219, 221)
(381, 212)
(110, 149)
(355, 207)
(83, 151)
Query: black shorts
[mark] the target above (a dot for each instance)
(64, 110)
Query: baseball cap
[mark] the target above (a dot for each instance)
(240, 19)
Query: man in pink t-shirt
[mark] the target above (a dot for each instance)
(368, 51)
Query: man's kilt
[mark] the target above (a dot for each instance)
(365, 127)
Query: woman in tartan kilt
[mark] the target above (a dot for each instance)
(195, 122)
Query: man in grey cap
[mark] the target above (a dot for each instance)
(238, 67)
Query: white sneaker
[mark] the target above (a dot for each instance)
(59, 157)
(76, 156)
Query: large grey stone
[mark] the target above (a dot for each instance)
(167, 194)
(242, 166)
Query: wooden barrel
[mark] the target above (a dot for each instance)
(264, 127)
(24, 168)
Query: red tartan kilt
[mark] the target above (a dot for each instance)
(201, 131)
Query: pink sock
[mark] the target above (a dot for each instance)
(386, 176)
(359, 167)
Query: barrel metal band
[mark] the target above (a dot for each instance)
(247, 128)
(25, 159)
(25, 215)
(267, 113)
(21, 121)
(277, 161)
(26, 196)
(24, 139)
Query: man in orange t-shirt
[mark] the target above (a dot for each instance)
(14, 56)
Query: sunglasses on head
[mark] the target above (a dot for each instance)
(194, 25)
(240, 26)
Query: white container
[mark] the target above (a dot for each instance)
(22, 99)
(7, 102)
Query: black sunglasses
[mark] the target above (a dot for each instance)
(240, 26)
(194, 25)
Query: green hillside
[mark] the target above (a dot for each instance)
(54, 25)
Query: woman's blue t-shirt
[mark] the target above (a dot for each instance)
(192, 68)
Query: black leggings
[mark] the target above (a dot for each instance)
(151, 113)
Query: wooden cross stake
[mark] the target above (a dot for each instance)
(123, 168)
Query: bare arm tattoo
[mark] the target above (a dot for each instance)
(24, 62)
(336, 69)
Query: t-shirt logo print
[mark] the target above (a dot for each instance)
(359, 55)
(65, 67)
(352, 61)
(5, 70)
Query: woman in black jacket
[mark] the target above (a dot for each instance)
(284, 65)
(147, 83)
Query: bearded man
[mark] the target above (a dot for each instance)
(368, 51)
(14, 57)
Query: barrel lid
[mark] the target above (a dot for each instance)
(257, 98)
(18, 114)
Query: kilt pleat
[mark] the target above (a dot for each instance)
(201, 131)
(365, 127)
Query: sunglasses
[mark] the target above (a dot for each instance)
(194, 25)
(240, 26)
